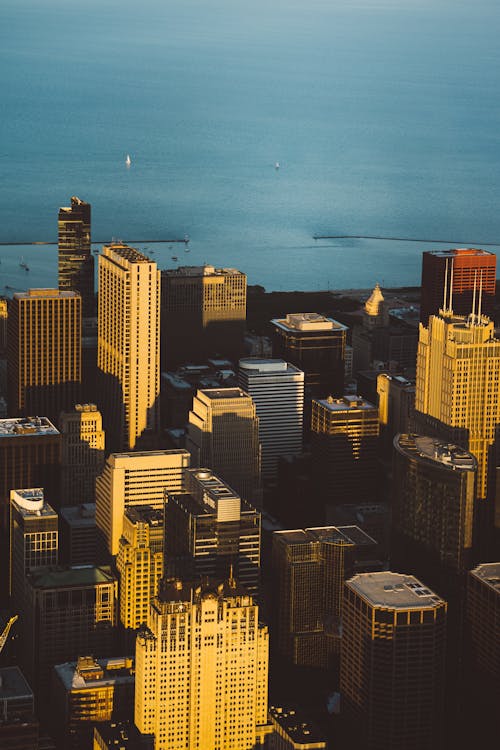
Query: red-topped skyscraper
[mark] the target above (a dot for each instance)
(457, 272)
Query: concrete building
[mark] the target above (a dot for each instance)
(44, 352)
(344, 448)
(291, 731)
(483, 616)
(18, 724)
(456, 272)
(223, 433)
(128, 355)
(203, 314)
(277, 390)
(135, 479)
(392, 663)
(77, 535)
(75, 260)
(139, 562)
(309, 569)
(202, 670)
(211, 531)
(82, 458)
(315, 344)
(88, 691)
(396, 407)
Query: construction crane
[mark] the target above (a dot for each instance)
(6, 631)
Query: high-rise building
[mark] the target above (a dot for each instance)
(396, 407)
(34, 540)
(135, 479)
(82, 457)
(457, 396)
(456, 272)
(277, 389)
(76, 263)
(30, 455)
(291, 731)
(18, 724)
(315, 344)
(211, 530)
(203, 314)
(309, 569)
(73, 611)
(44, 352)
(88, 691)
(392, 663)
(128, 356)
(344, 447)
(139, 562)
(77, 535)
(223, 434)
(202, 669)
(434, 491)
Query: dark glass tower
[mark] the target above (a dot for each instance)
(76, 264)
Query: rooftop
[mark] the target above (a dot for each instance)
(26, 426)
(45, 294)
(489, 573)
(460, 252)
(331, 534)
(388, 590)
(434, 451)
(13, 684)
(67, 576)
(267, 366)
(217, 394)
(201, 271)
(96, 672)
(346, 403)
(301, 732)
(144, 514)
(307, 322)
(126, 252)
(31, 502)
(79, 515)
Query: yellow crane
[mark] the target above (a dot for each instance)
(6, 631)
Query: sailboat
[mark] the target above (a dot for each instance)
(23, 264)
(128, 161)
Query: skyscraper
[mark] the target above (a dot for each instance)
(344, 447)
(315, 344)
(392, 663)
(76, 263)
(277, 389)
(128, 355)
(211, 530)
(203, 314)
(201, 669)
(44, 352)
(135, 479)
(309, 569)
(223, 434)
(82, 457)
(457, 272)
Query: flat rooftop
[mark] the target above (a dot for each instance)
(308, 323)
(430, 450)
(31, 502)
(45, 294)
(117, 670)
(79, 515)
(458, 252)
(489, 573)
(13, 684)
(144, 514)
(388, 590)
(127, 253)
(22, 426)
(295, 726)
(333, 534)
(68, 576)
(346, 403)
(217, 394)
(201, 271)
(255, 366)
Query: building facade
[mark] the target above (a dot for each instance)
(75, 260)
(128, 351)
(82, 457)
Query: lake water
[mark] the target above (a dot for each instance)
(384, 116)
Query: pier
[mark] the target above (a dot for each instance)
(402, 239)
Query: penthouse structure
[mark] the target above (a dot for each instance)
(277, 389)
(76, 263)
(211, 530)
(203, 314)
(392, 662)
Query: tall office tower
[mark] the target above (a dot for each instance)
(44, 352)
(73, 611)
(457, 395)
(76, 263)
(128, 355)
(277, 389)
(18, 724)
(139, 562)
(396, 407)
(434, 491)
(309, 569)
(458, 271)
(30, 455)
(211, 530)
(77, 535)
(34, 540)
(201, 669)
(223, 433)
(203, 314)
(344, 447)
(82, 457)
(392, 663)
(315, 344)
(483, 617)
(135, 479)
(88, 691)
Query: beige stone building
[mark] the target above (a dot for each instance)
(82, 459)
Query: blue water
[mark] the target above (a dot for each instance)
(383, 114)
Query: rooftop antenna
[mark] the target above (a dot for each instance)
(450, 307)
(445, 285)
(474, 297)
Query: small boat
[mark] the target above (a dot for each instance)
(128, 161)
(174, 257)
(186, 238)
(24, 265)
(187, 250)
(277, 165)
(96, 252)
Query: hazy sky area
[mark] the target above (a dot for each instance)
(384, 117)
